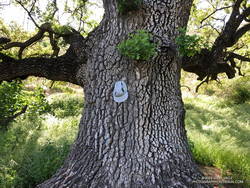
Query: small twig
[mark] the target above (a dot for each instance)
(218, 9)
(56, 8)
(210, 25)
(189, 89)
(29, 12)
(204, 81)
(7, 120)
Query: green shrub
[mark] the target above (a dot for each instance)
(189, 45)
(13, 99)
(13, 143)
(138, 46)
(237, 92)
(33, 149)
(40, 164)
(241, 94)
(36, 102)
(67, 106)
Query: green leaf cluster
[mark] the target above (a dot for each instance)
(10, 99)
(125, 6)
(138, 46)
(36, 102)
(66, 106)
(62, 29)
(189, 45)
(13, 98)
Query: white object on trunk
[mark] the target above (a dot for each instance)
(120, 92)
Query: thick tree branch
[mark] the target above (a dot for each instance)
(231, 33)
(245, 13)
(237, 56)
(240, 32)
(4, 40)
(63, 68)
(46, 27)
(209, 63)
(54, 45)
(205, 65)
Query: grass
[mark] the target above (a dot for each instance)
(35, 147)
(220, 134)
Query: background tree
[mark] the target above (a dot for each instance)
(142, 141)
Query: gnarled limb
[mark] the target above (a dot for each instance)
(4, 40)
(46, 27)
(63, 68)
(237, 56)
(209, 63)
(232, 31)
(241, 31)
(205, 64)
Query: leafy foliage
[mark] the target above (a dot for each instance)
(67, 106)
(39, 165)
(138, 46)
(189, 45)
(238, 92)
(33, 149)
(13, 98)
(125, 6)
(36, 102)
(61, 29)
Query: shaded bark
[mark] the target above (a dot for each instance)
(62, 68)
(59, 69)
(205, 65)
(141, 142)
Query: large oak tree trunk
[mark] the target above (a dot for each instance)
(141, 142)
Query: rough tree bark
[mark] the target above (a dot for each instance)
(141, 142)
